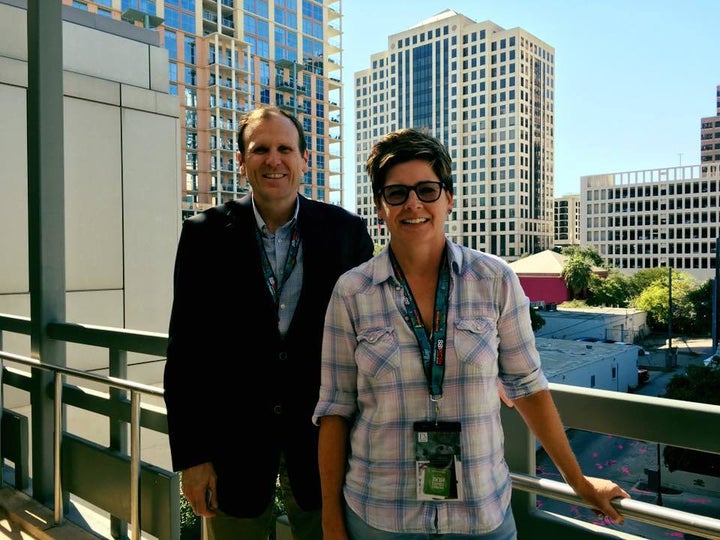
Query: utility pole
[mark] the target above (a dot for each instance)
(669, 352)
(716, 299)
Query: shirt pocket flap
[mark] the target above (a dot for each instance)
(377, 352)
(476, 341)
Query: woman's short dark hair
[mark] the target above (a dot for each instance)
(262, 113)
(404, 145)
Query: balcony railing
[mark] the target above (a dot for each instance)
(116, 479)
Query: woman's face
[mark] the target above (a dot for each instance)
(414, 220)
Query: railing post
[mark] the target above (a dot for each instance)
(58, 423)
(46, 223)
(118, 428)
(135, 463)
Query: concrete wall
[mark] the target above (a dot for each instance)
(603, 366)
(619, 324)
(122, 179)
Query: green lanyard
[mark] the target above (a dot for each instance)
(432, 348)
(290, 262)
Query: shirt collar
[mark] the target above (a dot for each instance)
(384, 271)
(261, 222)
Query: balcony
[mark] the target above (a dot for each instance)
(62, 462)
(136, 485)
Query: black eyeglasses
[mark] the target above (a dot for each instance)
(397, 194)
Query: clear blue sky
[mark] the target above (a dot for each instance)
(633, 78)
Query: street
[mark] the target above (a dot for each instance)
(625, 461)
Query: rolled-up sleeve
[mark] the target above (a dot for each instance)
(520, 370)
(338, 375)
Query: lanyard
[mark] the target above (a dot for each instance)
(290, 261)
(432, 348)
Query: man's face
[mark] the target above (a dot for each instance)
(272, 160)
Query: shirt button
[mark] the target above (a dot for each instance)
(282, 306)
(282, 355)
(277, 409)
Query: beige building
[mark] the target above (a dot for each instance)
(567, 221)
(710, 136)
(228, 56)
(654, 218)
(488, 93)
(121, 195)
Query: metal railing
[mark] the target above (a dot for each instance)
(670, 422)
(135, 389)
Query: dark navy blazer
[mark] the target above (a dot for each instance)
(237, 394)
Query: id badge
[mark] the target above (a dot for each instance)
(438, 465)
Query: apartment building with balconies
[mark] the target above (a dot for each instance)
(710, 136)
(567, 221)
(229, 56)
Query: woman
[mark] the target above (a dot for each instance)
(419, 344)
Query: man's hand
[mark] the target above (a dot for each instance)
(198, 486)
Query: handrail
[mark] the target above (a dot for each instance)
(155, 343)
(646, 512)
(135, 388)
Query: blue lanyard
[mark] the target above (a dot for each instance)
(432, 348)
(270, 279)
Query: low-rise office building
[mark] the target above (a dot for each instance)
(653, 218)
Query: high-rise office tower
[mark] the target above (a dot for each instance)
(567, 221)
(488, 94)
(710, 137)
(228, 56)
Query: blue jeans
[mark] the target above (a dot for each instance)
(359, 530)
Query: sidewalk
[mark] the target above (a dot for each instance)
(23, 518)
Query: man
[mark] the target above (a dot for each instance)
(252, 281)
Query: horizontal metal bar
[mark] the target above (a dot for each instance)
(153, 343)
(115, 382)
(15, 323)
(647, 513)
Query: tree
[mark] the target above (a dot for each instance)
(613, 291)
(654, 299)
(702, 301)
(576, 273)
(589, 253)
(536, 320)
(642, 279)
(700, 384)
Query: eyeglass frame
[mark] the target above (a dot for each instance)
(414, 188)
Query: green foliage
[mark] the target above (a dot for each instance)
(536, 320)
(700, 384)
(188, 519)
(642, 279)
(655, 300)
(576, 273)
(702, 300)
(590, 254)
(613, 291)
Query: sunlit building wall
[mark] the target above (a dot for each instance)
(710, 136)
(488, 93)
(654, 218)
(228, 56)
(567, 221)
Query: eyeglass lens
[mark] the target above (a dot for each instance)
(425, 191)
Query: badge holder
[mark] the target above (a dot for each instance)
(437, 461)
